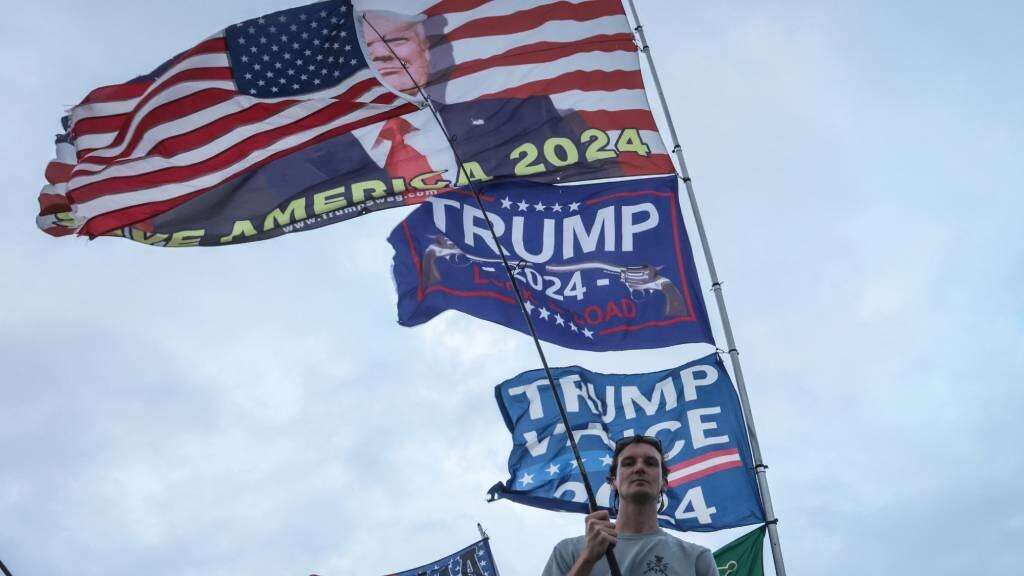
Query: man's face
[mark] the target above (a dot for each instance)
(638, 478)
(407, 41)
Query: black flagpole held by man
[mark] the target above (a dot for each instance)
(591, 497)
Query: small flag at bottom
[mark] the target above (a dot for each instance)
(743, 556)
(473, 560)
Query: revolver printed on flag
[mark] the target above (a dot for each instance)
(601, 266)
(641, 281)
(692, 409)
(445, 249)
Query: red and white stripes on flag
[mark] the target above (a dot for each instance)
(703, 465)
(136, 150)
(581, 53)
(144, 147)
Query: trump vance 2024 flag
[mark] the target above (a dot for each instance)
(692, 409)
(313, 115)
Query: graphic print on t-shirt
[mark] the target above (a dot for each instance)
(657, 567)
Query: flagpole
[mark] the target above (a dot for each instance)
(613, 564)
(716, 286)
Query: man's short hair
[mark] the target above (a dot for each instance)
(630, 440)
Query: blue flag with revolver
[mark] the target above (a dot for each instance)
(603, 266)
(693, 410)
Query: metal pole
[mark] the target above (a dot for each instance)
(4, 569)
(486, 539)
(716, 286)
(613, 564)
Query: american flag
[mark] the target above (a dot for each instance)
(255, 91)
(267, 87)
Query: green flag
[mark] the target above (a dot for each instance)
(743, 556)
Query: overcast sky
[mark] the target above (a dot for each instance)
(257, 409)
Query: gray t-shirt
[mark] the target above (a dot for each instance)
(652, 554)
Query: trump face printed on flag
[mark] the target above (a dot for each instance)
(414, 148)
(397, 47)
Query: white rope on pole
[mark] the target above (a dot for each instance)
(716, 286)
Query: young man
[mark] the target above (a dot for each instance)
(638, 475)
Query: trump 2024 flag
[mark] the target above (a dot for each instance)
(692, 410)
(601, 266)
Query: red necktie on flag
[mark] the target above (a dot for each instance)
(403, 160)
